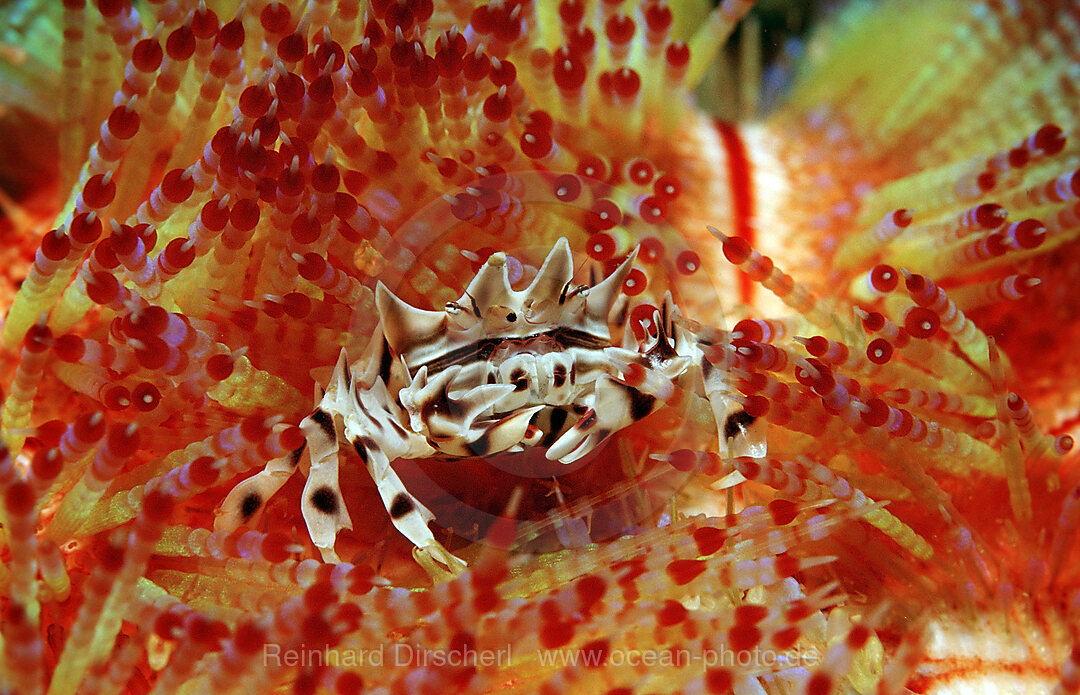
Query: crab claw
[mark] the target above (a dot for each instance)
(578, 440)
(615, 405)
(502, 434)
(439, 563)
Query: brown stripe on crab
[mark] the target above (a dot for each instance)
(497, 371)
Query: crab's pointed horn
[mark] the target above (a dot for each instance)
(341, 380)
(403, 324)
(491, 286)
(553, 275)
(602, 296)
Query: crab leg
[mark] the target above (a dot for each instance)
(245, 501)
(372, 425)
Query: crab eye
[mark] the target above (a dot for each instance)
(499, 317)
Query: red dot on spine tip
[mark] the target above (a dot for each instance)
(667, 187)
(37, 338)
(325, 178)
(329, 53)
(201, 471)
(688, 262)
(658, 17)
(640, 171)
(750, 329)
(756, 406)
(424, 73)
(181, 44)
(682, 460)
(55, 246)
(1030, 234)
(84, 229)
(1049, 139)
(884, 278)
(652, 210)
(507, 30)
(635, 283)
(156, 507)
(70, 347)
(204, 23)
(292, 438)
(249, 638)
(504, 74)
(89, 427)
(569, 73)
(219, 367)
(214, 215)
(1018, 157)
(497, 108)
(600, 246)
(464, 207)
(873, 322)
(244, 214)
(102, 288)
(292, 48)
(571, 12)
(275, 18)
(99, 193)
(122, 440)
(176, 187)
(536, 144)
(115, 397)
(312, 267)
(619, 28)
(917, 284)
(593, 167)
(275, 547)
(296, 305)
(146, 397)
(907, 422)
(626, 83)
(736, 249)
(652, 249)
(677, 54)
(989, 215)
(180, 253)
(902, 217)
(111, 8)
(640, 316)
(254, 428)
(146, 55)
(254, 101)
(567, 187)
(879, 351)
(603, 215)
(321, 89)
(154, 353)
(580, 41)
(123, 123)
(921, 322)
(475, 66)
(47, 464)
(817, 345)
(783, 512)
(986, 181)
(231, 36)
(152, 320)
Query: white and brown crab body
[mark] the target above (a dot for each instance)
(497, 371)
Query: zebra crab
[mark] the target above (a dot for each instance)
(496, 371)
